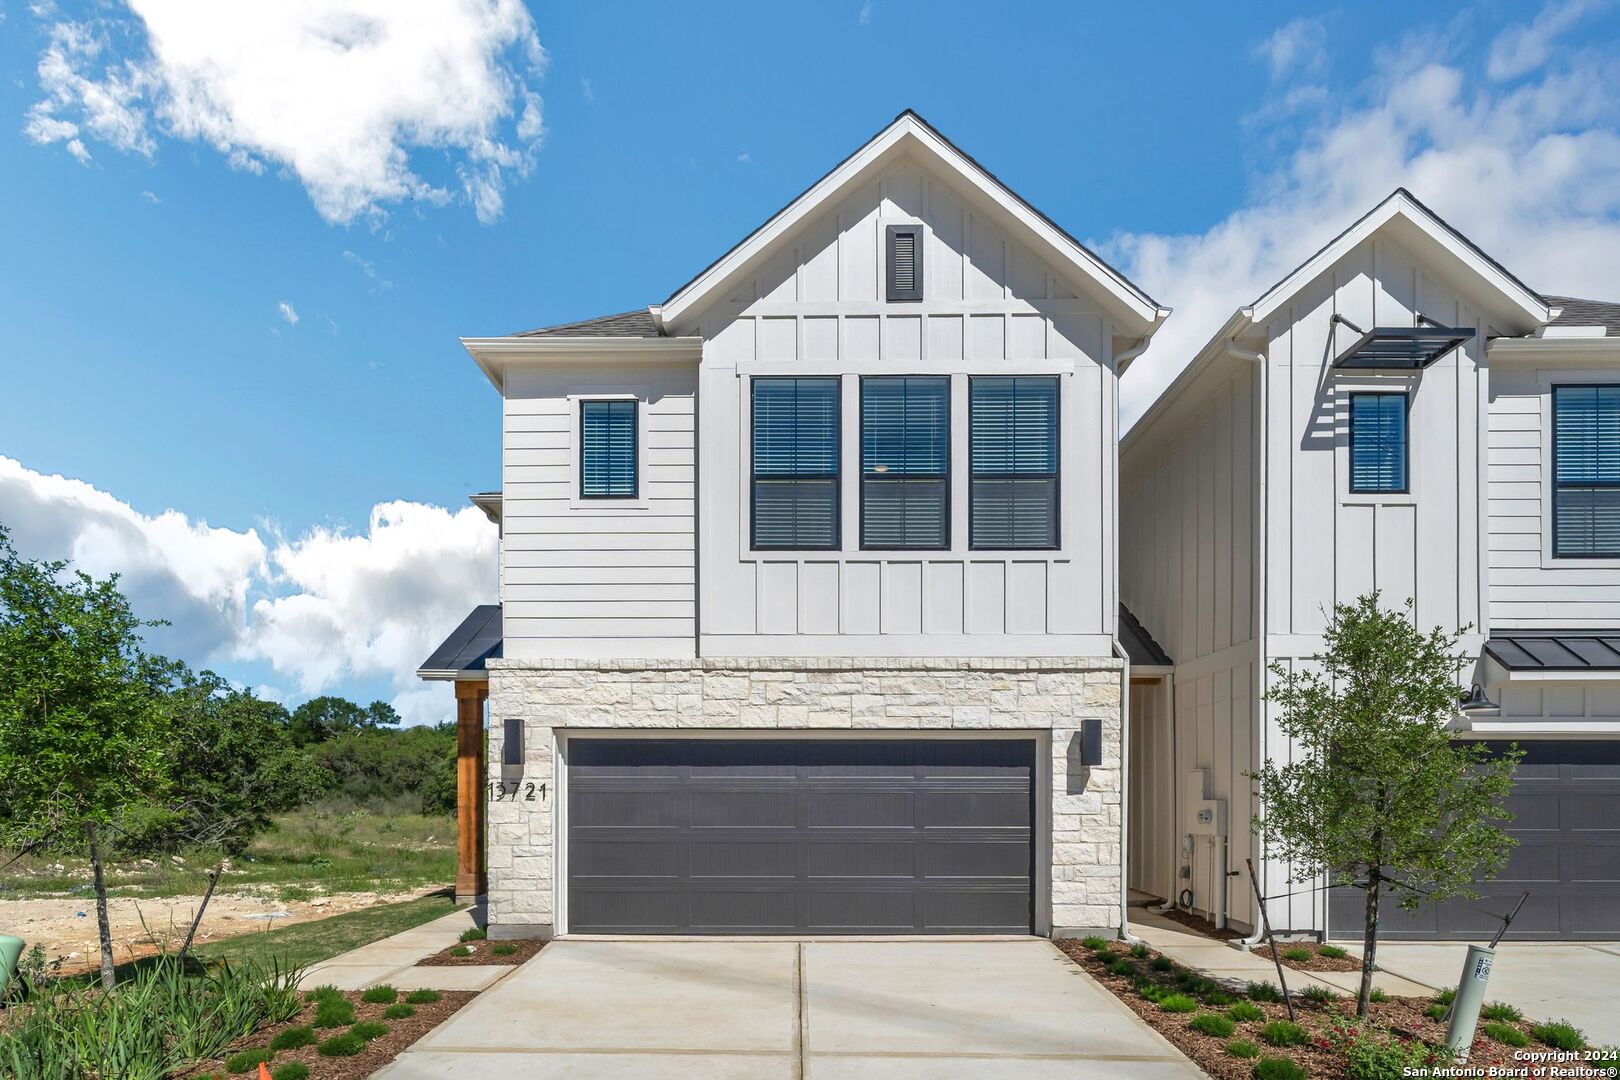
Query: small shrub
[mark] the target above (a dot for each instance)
(1333, 952)
(1122, 967)
(399, 1011)
(1242, 1048)
(247, 1060)
(347, 1044)
(1506, 1034)
(1212, 1024)
(292, 1070)
(1297, 954)
(1141, 952)
(1368, 1058)
(338, 1012)
(1285, 1033)
(1276, 1068)
(1152, 991)
(1177, 1003)
(1217, 999)
(324, 993)
(1606, 1061)
(380, 995)
(1559, 1034)
(1500, 1010)
(473, 934)
(368, 1030)
(461, 950)
(1446, 996)
(1377, 996)
(293, 1038)
(1095, 943)
(1264, 991)
(1435, 1011)
(505, 948)
(1245, 1011)
(1317, 994)
(1162, 963)
(422, 997)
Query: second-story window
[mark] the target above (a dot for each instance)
(905, 462)
(607, 449)
(1586, 472)
(795, 470)
(1378, 445)
(1013, 447)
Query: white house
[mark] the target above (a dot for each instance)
(809, 612)
(1400, 413)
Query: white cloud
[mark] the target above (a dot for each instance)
(1298, 47)
(1524, 47)
(587, 91)
(1530, 172)
(865, 15)
(287, 313)
(151, 197)
(378, 85)
(745, 158)
(321, 609)
(379, 281)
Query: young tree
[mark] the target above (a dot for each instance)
(1380, 794)
(83, 732)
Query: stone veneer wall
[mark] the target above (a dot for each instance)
(868, 694)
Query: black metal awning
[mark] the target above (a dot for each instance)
(1401, 348)
(1555, 650)
(463, 653)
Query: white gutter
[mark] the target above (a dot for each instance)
(1124, 793)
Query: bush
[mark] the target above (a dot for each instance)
(293, 1070)
(1217, 999)
(1122, 967)
(1297, 954)
(1317, 994)
(461, 950)
(1333, 952)
(1446, 996)
(1177, 1003)
(247, 1060)
(1506, 1034)
(334, 1012)
(380, 764)
(324, 993)
(347, 1044)
(1559, 1034)
(1284, 1033)
(422, 997)
(1242, 1048)
(473, 933)
(1435, 1011)
(1152, 991)
(1500, 1010)
(1212, 1024)
(1378, 996)
(380, 995)
(1162, 963)
(1245, 1011)
(1366, 1058)
(1095, 943)
(368, 1030)
(1264, 991)
(1141, 952)
(503, 949)
(1275, 1068)
(399, 1011)
(293, 1038)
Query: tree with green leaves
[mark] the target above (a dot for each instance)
(327, 717)
(1381, 794)
(84, 732)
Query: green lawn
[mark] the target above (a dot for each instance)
(311, 942)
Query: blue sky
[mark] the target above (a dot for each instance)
(152, 243)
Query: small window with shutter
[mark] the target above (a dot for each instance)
(905, 265)
(1378, 443)
(607, 449)
(1586, 472)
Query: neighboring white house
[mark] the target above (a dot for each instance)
(1400, 413)
(809, 614)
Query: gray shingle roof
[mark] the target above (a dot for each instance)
(1139, 644)
(1579, 312)
(634, 324)
(1555, 650)
(476, 640)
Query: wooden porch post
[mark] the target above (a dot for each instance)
(471, 880)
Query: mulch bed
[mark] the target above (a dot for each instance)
(1399, 1017)
(379, 1052)
(1202, 926)
(483, 954)
(1317, 961)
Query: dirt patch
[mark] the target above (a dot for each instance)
(483, 954)
(1326, 1023)
(378, 1052)
(1314, 962)
(1198, 925)
(66, 928)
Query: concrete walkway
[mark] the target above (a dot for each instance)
(732, 1009)
(393, 961)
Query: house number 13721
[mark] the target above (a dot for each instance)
(501, 791)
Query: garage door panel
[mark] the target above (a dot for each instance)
(736, 809)
(969, 912)
(625, 859)
(862, 911)
(741, 859)
(1532, 864)
(632, 809)
(856, 809)
(1593, 864)
(976, 859)
(626, 911)
(1591, 813)
(745, 911)
(976, 809)
(861, 859)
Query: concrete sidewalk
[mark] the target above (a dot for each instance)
(393, 961)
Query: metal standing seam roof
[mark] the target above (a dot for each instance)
(1139, 644)
(1578, 312)
(1556, 650)
(476, 640)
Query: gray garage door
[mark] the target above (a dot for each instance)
(1566, 802)
(879, 836)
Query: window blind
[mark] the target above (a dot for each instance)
(1013, 451)
(607, 451)
(1586, 468)
(905, 461)
(1378, 441)
(795, 470)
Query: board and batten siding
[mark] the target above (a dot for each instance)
(598, 578)
(991, 307)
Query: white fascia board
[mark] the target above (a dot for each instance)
(1512, 297)
(1214, 349)
(445, 675)
(493, 355)
(1131, 301)
(1544, 349)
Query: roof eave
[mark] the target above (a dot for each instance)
(493, 354)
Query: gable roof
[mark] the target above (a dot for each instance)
(635, 324)
(910, 131)
(1576, 312)
(463, 653)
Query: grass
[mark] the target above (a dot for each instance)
(1318, 995)
(292, 1070)
(1333, 952)
(1285, 1033)
(1122, 967)
(503, 949)
(1297, 954)
(311, 942)
(422, 997)
(369, 1029)
(473, 933)
(347, 1044)
(1244, 1011)
(1500, 1010)
(1178, 1003)
(1212, 1024)
(1242, 1048)
(1095, 943)
(330, 847)
(1264, 991)
(1505, 1033)
(379, 995)
(1275, 1068)
(247, 1060)
(333, 1014)
(399, 1011)
(1377, 996)
(1141, 952)
(1163, 963)
(1559, 1034)
(293, 1038)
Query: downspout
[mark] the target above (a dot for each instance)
(1262, 587)
(1120, 360)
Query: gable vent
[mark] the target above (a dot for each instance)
(905, 278)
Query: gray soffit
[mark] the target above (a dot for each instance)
(1577, 312)
(1139, 644)
(1556, 650)
(627, 324)
(463, 653)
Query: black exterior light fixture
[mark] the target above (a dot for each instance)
(1475, 700)
(512, 743)
(1091, 754)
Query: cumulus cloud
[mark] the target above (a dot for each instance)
(1298, 47)
(864, 17)
(287, 313)
(321, 609)
(1530, 171)
(347, 95)
(1524, 47)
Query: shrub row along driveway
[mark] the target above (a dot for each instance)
(780, 1009)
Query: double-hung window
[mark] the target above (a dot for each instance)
(795, 470)
(1013, 450)
(1586, 472)
(905, 462)
(1378, 443)
(607, 449)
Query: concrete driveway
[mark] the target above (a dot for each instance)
(733, 1009)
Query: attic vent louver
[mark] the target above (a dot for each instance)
(905, 268)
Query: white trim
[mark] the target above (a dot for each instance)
(1554, 349)
(1343, 386)
(575, 395)
(493, 355)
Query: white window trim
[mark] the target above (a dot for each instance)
(1343, 387)
(608, 392)
(1546, 379)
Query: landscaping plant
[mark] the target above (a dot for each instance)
(1244, 1011)
(369, 1029)
(1242, 1048)
(1264, 991)
(1506, 1034)
(293, 1038)
(1333, 952)
(1500, 1010)
(473, 933)
(1559, 1034)
(347, 1044)
(1212, 1024)
(399, 1011)
(1380, 796)
(1284, 1033)
(247, 1060)
(422, 997)
(1275, 1068)
(1178, 1003)
(292, 1070)
(379, 995)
